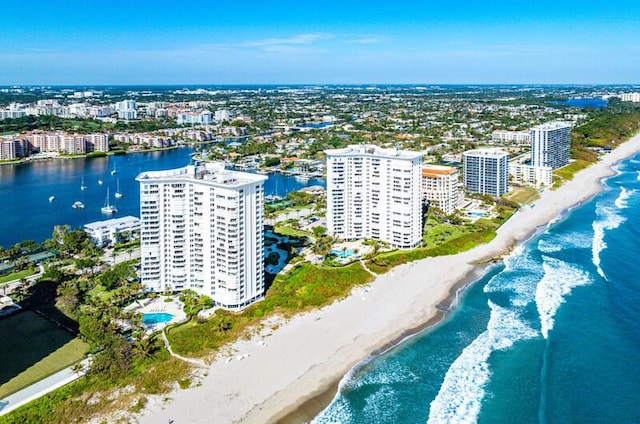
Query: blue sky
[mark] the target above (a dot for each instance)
(263, 42)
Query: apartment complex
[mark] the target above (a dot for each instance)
(16, 146)
(375, 193)
(520, 138)
(629, 97)
(440, 187)
(550, 143)
(527, 174)
(486, 171)
(106, 232)
(202, 229)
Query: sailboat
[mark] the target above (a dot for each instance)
(113, 171)
(118, 194)
(82, 186)
(107, 208)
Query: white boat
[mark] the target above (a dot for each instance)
(52, 198)
(100, 182)
(107, 208)
(118, 194)
(77, 205)
(113, 171)
(82, 186)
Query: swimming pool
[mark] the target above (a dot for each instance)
(156, 318)
(342, 253)
(476, 214)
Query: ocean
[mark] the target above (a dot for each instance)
(27, 213)
(552, 335)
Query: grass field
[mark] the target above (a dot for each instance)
(32, 349)
(566, 173)
(17, 275)
(523, 195)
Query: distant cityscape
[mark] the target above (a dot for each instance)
(374, 191)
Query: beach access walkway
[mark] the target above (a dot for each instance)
(193, 361)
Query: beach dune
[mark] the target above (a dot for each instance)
(292, 373)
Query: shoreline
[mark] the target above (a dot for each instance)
(85, 156)
(307, 357)
(316, 403)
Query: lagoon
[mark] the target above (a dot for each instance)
(27, 213)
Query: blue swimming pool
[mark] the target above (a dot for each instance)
(342, 253)
(156, 318)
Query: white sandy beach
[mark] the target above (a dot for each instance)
(308, 353)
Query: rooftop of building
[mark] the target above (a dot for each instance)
(553, 125)
(437, 170)
(489, 152)
(114, 222)
(372, 150)
(213, 173)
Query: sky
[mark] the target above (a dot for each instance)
(81, 42)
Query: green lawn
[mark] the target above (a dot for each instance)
(32, 349)
(17, 275)
(523, 195)
(288, 231)
(566, 173)
(437, 233)
(457, 240)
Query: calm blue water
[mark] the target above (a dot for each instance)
(550, 336)
(156, 318)
(595, 102)
(27, 213)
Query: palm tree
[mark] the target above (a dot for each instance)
(77, 368)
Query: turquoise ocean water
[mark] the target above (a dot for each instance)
(550, 336)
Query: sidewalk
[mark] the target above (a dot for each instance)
(41, 388)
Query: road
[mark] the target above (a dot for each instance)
(42, 387)
(10, 286)
(120, 257)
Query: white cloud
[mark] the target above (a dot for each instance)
(367, 39)
(300, 39)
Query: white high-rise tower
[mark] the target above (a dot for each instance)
(375, 193)
(202, 229)
(550, 144)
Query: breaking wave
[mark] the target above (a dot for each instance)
(460, 397)
(559, 279)
(608, 220)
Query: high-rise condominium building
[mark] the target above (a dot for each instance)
(375, 193)
(440, 187)
(486, 171)
(550, 144)
(202, 229)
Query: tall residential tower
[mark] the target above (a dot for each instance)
(486, 171)
(550, 144)
(375, 193)
(202, 229)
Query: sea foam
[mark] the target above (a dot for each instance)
(552, 243)
(518, 278)
(622, 201)
(378, 403)
(559, 279)
(460, 397)
(608, 219)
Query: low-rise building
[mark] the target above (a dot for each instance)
(107, 232)
(520, 138)
(528, 174)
